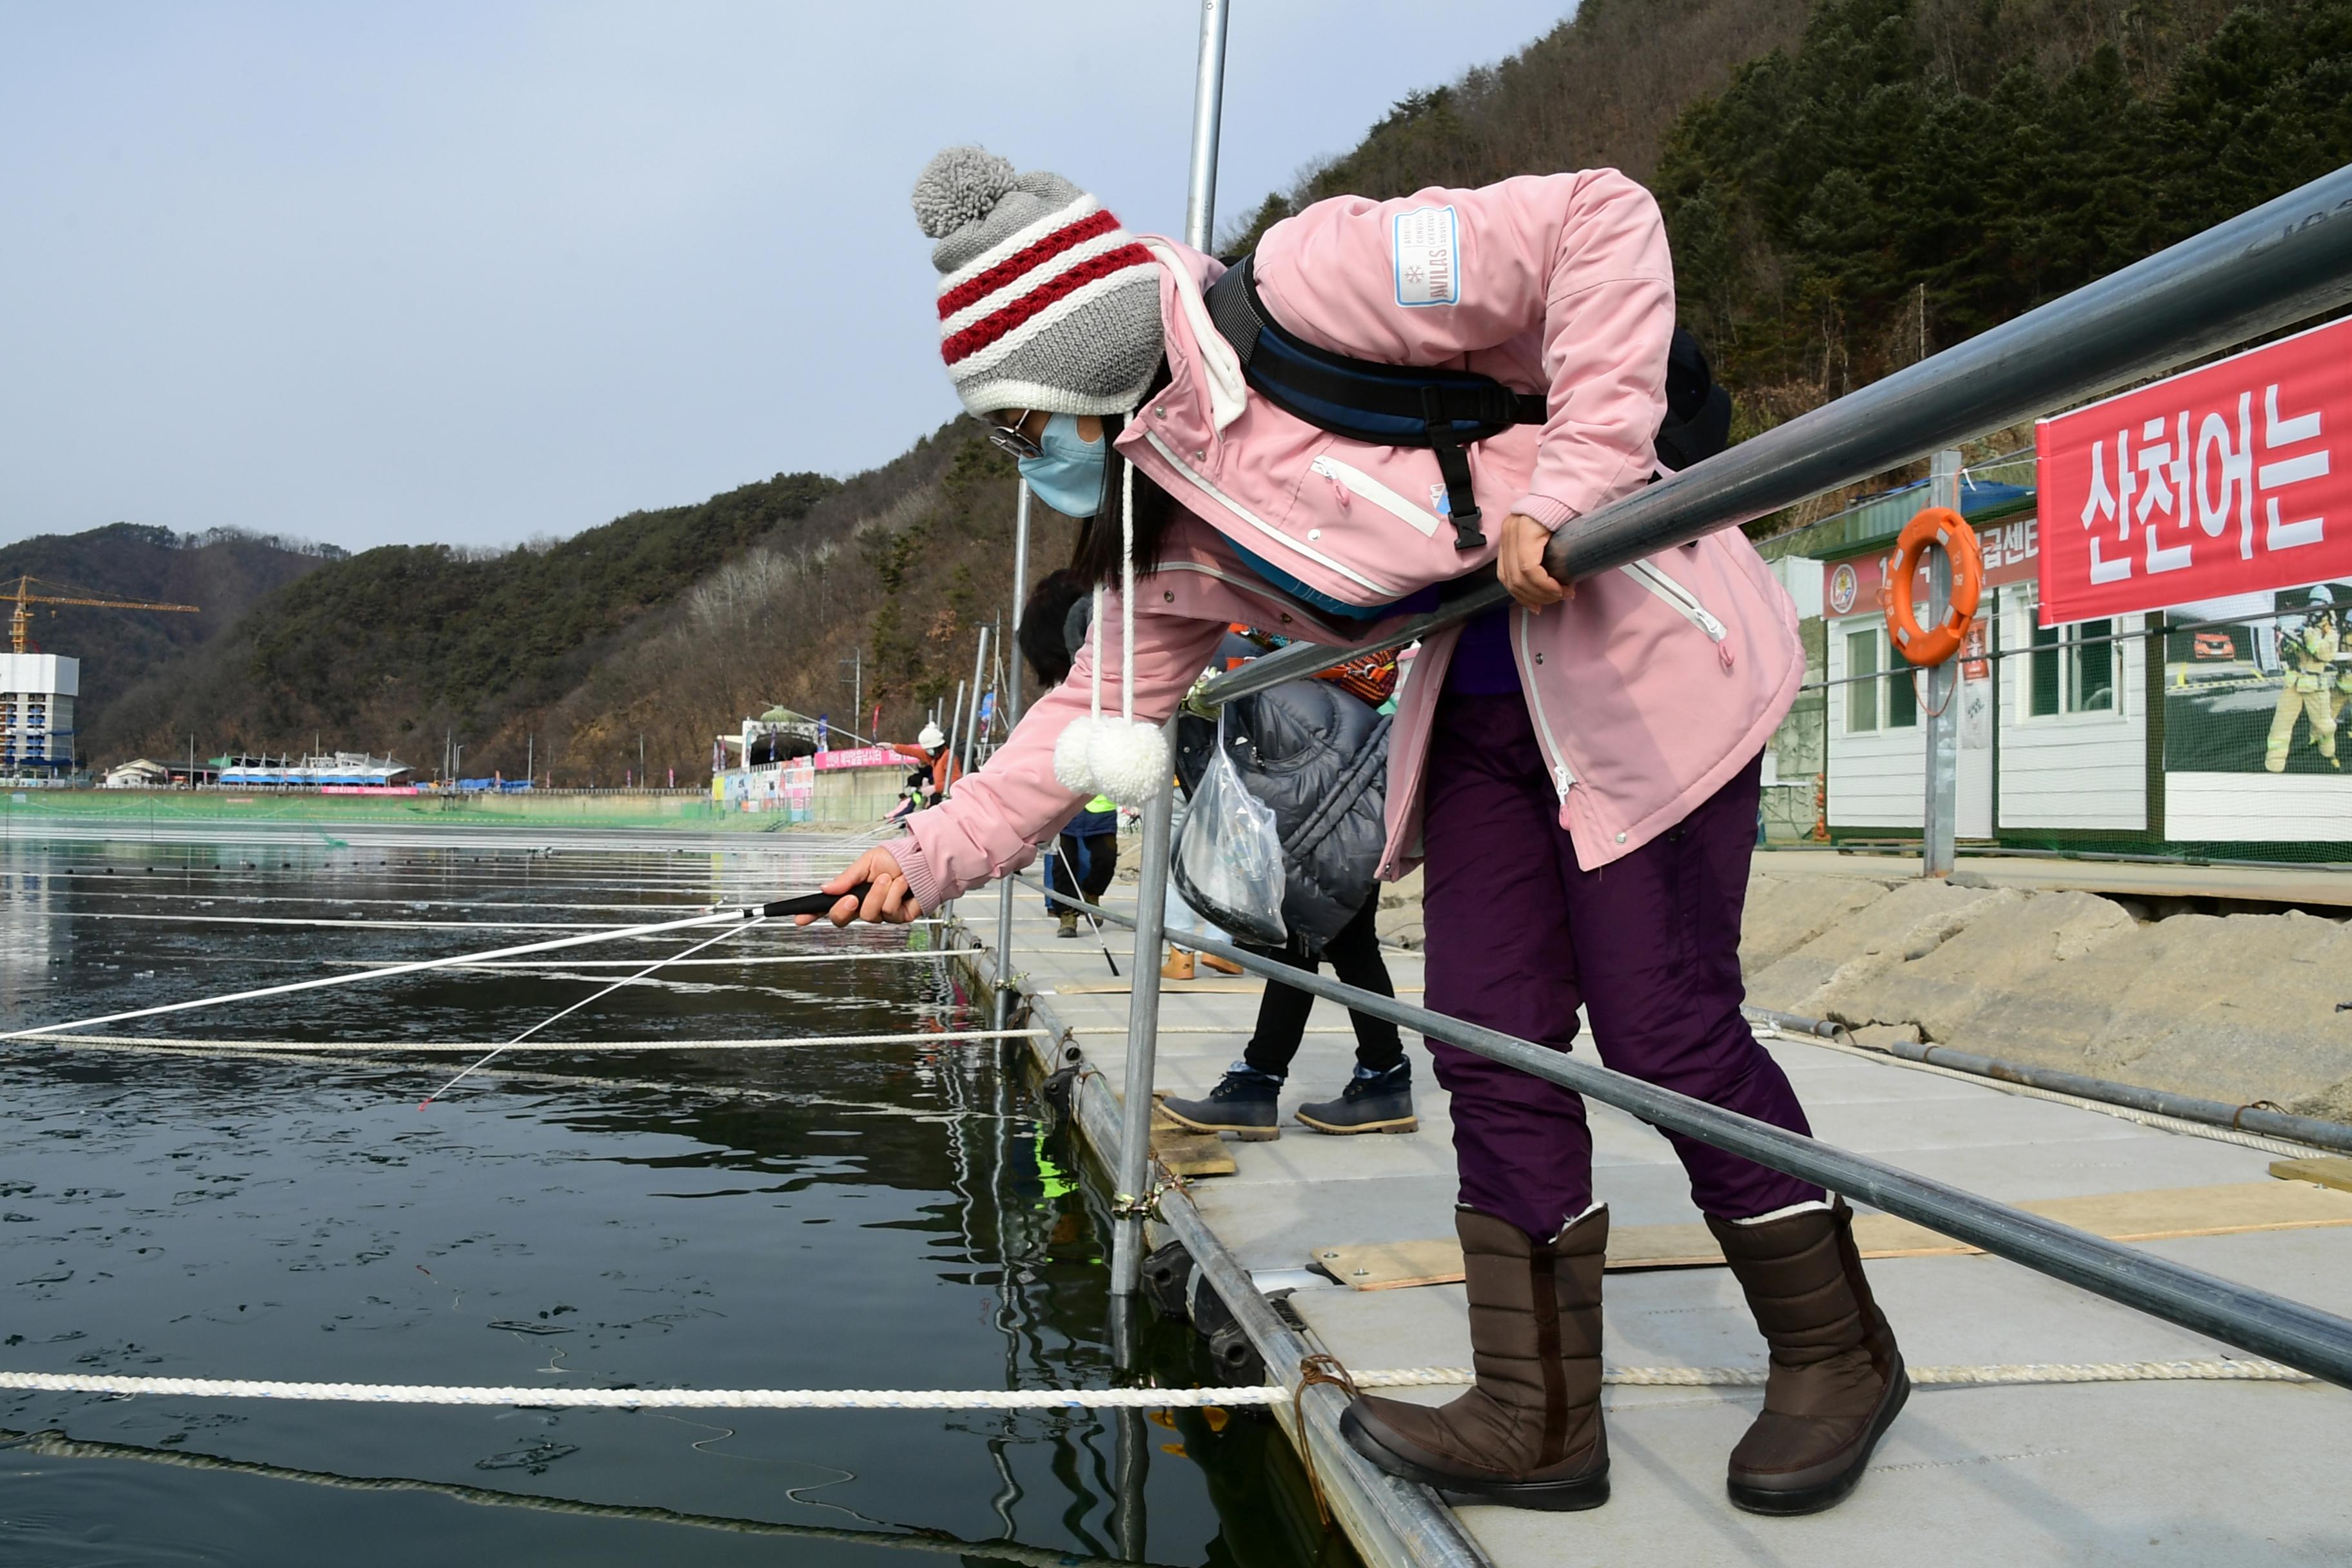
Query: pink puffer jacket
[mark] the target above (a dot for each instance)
(1648, 689)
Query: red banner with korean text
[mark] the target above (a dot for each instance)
(2232, 478)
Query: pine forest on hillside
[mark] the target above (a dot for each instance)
(1850, 185)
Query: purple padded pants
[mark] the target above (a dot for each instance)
(1518, 935)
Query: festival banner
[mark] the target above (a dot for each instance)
(2232, 478)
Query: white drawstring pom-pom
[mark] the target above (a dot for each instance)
(1129, 761)
(1118, 757)
(1071, 763)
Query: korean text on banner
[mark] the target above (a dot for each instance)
(2234, 478)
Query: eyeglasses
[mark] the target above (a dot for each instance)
(1009, 437)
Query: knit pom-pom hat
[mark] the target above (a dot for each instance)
(1044, 302)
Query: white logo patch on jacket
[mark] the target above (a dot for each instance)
(1425, 244)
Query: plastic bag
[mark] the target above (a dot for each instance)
(1228, 864)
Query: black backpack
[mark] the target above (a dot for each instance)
(1409, 406)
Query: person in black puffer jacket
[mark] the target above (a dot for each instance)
(1317, 755)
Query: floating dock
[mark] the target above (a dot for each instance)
(1339, 1246)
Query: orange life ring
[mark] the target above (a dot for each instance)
(1924, 645)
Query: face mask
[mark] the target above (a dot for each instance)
(1067, 472)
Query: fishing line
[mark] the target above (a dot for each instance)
(607, 990)
(1062, 856)
(807, 904)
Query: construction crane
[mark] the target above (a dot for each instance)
(20, 619)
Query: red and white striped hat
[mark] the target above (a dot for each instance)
(1045, 301)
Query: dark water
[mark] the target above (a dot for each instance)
(817, 1216)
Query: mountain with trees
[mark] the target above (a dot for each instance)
(385, 648)
(1851, 184)
(226, 573)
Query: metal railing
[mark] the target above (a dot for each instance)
(2253, 1320)
(2285, 261)
(2281, 263)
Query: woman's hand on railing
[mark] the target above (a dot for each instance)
(1520, 562)
(887, 898)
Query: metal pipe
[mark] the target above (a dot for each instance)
(1939, 829)
(974, 721)
(1134, 1172)
(955, 727)
(2285, 261)
(2270, 1122)
(2301, 1336)
(1389, 1521)
(1011, 716)
(1208, 113)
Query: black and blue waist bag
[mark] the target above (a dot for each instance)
(1443, 410)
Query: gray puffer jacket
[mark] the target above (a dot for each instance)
(1319, 757)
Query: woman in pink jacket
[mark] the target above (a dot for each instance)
(1576, 772)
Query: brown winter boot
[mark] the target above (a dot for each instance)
(1837, 1379)
(1529, 1434)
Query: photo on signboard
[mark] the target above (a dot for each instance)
(2259, 683)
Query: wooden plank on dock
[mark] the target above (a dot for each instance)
(2157, 1215)
(1186, 1152)
(2327, 1170)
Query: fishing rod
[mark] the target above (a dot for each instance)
(806, 904)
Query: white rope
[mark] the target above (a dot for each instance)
(1126, 591)
(1064, 1398)
(191, 1047)
(362, 923)
(876, 955)
(1094, 688)
(581, 1080)
(209, 896)
(365, 923)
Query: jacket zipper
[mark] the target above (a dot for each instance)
(1562, 779)
(1360, 483)
(1684, 603)
(1267, 529)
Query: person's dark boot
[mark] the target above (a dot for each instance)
(1069, 923)
(1244, 1103)
(1529, 1435)
(1837, 1379)
(1372, 1102)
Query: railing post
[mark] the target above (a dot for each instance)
(1134, 1172)
(1938, 835)
(972, 720)
(1208, 112)
(1011, 716)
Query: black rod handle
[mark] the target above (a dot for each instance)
(813, 903)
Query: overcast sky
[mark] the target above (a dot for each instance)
(476, 272)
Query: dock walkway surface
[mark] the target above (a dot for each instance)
(2132, 1471)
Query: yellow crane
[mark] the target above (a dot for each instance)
(21, 618)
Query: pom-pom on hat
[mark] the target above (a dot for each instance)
(1045, 301)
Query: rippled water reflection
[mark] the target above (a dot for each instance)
(821, 1217)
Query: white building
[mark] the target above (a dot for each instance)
(2181, 732)
(36, 714)
(139, 773)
